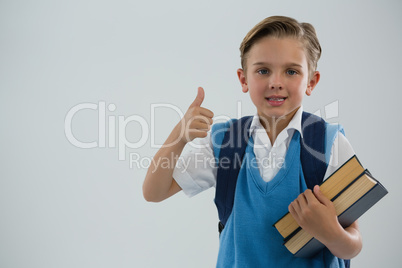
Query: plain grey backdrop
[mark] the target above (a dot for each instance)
(65, 206)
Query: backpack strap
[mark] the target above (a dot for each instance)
(315, 149)
(229, 141)
(312, 149)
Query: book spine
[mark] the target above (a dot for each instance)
(311, 248)
(362, 205)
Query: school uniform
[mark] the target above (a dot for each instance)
(270, 179)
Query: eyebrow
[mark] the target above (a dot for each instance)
(291, 64)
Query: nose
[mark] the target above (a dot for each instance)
(276, 82)
(274, 86)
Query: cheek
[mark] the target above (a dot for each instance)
(257, 91)
(257, 86)
(298, 86)
(257, 96)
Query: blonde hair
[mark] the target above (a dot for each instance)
(281, 27)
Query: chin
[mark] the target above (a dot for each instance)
(273, 115)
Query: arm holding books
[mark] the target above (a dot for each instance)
(316, 214)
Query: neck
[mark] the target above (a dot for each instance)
(275, 125)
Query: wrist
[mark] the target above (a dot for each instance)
(340, 243)
(336, 234)
(178, 136)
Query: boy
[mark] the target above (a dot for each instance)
(279, 59)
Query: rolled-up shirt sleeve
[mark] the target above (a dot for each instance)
(196, 168)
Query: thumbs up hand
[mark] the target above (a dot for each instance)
(197, 120)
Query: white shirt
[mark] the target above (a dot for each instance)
(196, 169)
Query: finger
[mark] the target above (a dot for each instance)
(294, 209)
(291, 209)
(202, 118)
(296, 203)
(199, 98)
(310, 198)
(206, 112)
(200, 125)
(198, 133)
(302, 200)
(320, 196)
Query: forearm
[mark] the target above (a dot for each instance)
(159, 177)
(344, 243)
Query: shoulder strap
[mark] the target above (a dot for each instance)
(312, 149)
(229, 142)
(315, 149)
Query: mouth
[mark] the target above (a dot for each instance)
(276, 100)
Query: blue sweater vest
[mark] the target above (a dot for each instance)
(249, 238)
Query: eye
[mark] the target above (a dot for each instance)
(291, 72)
(262, 71)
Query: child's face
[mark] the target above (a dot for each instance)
(277, 76)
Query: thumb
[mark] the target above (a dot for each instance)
(320, 196)
(199, 99)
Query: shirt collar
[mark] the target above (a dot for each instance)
(295, 123)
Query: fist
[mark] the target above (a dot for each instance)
(316, 214)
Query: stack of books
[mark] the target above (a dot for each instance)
(352, 189)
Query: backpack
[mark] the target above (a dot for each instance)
(231, 138)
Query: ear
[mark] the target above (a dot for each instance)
(243, 80)
(313, 82)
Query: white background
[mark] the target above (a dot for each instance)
(62, 206)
